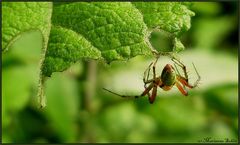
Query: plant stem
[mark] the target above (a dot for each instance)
(90, 86)
(87, 82)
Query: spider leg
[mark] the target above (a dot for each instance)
(184, 81)
(176, 69)
(154, 69)
(154, 94)
(146, 78)
(178, 73)
(146, 91)
(181, 89)
(146, 75)
(199, 77)
(156, 82)
(145, 86)
(176, 61)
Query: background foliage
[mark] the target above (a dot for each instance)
(80, 111)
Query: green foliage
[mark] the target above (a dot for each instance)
(224, 99)
(19, 76)
(178, 46)
(24, 16)
(114, 29)
(74, 116)
(62, 92)
(109, 30)
(171, 17)
(221, 26)
(20, 64)
(66, 47)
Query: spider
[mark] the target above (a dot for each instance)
(169, 77)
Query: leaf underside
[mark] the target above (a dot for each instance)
(110, 31)
(106, 31)
(22, 17)
(94, 30)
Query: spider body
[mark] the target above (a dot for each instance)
(169, 77)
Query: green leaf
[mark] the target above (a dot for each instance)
(107, 31)
(178, 46)
(65, 48)
(24, 16)
(172, 17)
(114, 31)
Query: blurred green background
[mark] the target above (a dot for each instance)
(78, 110)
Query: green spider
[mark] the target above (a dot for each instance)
(170, 76)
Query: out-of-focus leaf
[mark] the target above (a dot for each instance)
(19, 77)
(172, 113)
(63, 106)
(162, 41)
(220, 130)
(123, 116)
(206, 8)
(223, 98)
(132, 123)
(17, 86)
(20, 74)
(211, 31)
(6, 138)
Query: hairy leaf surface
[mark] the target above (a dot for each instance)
(106, 31)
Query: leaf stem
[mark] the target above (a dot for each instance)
(41, 94)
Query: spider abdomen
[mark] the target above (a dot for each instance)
(168, 76)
